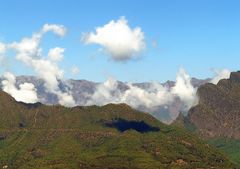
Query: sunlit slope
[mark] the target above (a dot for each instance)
(112, 136)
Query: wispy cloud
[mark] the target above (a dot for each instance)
(29, 52)
(75, 70)
(220, 74)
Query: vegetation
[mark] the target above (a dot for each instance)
(216, 117)
(229, 146)
(43, 137)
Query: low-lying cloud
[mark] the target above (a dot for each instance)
(118, 40)
(221, 74)
(25, 93)
(150, 98)
(184, 89)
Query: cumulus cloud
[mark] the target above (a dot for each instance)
(184, 89)
(220, 74)
(29, 52)
(25, 93)
(56, 54)
(149, 98)
(119, 40)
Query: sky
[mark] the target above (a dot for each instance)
(200, 36)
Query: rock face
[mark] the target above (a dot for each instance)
(218, 111)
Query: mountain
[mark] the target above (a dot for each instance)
(218, 111)
(83, 89)
(216, 118)
(111, 136)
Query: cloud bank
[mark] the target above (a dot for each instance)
(26, 93)
(119, 40)
(149, 98)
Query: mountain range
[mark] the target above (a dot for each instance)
(198, 138)
(95, 137)
(82, 90)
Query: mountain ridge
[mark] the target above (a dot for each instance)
(216, 117)
(42, 136)
(217, 113)
(82, 90)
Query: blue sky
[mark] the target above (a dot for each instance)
(198, 35)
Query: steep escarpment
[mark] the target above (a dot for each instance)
(218, 111)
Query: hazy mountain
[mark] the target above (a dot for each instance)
(82, 90)
(111, 136)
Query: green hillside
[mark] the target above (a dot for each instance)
(112, 136)
(229, 146)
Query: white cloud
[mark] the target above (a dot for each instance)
(150, 98)
(65, 98)
(29, 52)
(57, 29)
(184, 89)
(75, 70)
(56, 54)
(155, 95)
(220, 74)
(26, 93)
(27, 46)
(105, 93)
(119, 40)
